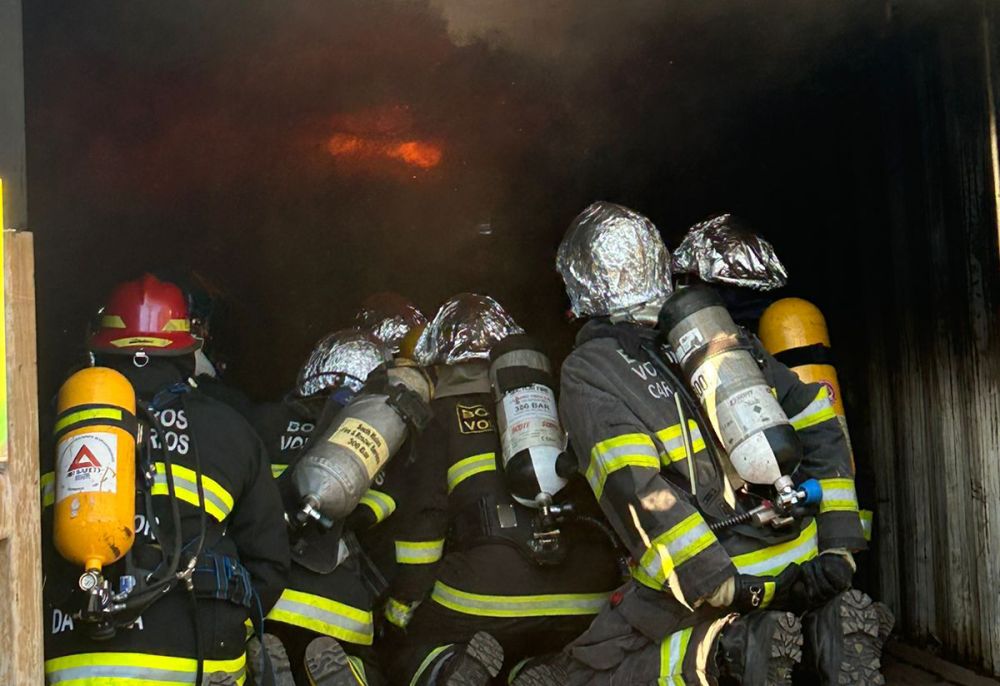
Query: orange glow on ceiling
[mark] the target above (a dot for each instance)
(415, 153)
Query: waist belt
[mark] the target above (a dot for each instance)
(222, 577)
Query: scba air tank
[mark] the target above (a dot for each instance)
(95, 436)
(340, 465)
(794, 331)
(725, 376)
(532, 440)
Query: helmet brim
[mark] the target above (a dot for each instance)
(163, 344)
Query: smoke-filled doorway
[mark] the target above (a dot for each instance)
(301, 156)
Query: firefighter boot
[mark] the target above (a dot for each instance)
(844, 640)
(328, 665)
(760, 649)
(476, 665)
(276, 661)
(548, 670)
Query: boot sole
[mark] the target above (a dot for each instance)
(541, 675)
(281, 667)
(862, 653)
(786, 650)
(478, 664)
(327, 664)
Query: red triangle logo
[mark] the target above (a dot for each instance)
(84, 458)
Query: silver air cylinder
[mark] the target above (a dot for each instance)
(532, 440)
(340, 465)
(728, 382)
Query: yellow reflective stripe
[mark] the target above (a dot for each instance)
(357, 670)
(108, 669)
(419, 552)
(86, 415)
(278, 469)
(428, 661)
(47, 485)
(627, 450)
(552, 605)
(112, 321)
(672, 653)
(218, 501)
(177, 325)
(398, 612)
(381, 504)
(324, 616)
(772, 560)
(816, 412)
(673, 548)
(866, 523)
(838, 496)
(673, 441)
(769, 588)
(469, 467)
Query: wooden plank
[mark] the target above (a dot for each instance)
(20, 508)
(946, 672)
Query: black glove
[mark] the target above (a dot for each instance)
(823, 578)
(760, 592)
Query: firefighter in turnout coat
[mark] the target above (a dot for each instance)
(701, 604)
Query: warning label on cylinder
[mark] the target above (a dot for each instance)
(87, 463)
(364, 441)
(532, 420)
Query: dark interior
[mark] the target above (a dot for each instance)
(302, 156)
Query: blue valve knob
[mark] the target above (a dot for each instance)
(812, 490)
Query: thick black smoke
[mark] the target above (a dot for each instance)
(198, 135)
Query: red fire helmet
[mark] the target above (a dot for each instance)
(146, 315)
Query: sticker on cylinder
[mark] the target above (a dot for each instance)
(532, 420)
(362, 439)
(87, 463)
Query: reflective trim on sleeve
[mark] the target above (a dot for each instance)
(769, 589)
(278, 469)
(555, 605)
(399, 613)
(772, 560)
(218, 501)
(469, 467)
(672, 653)
(47, 484)
(866, 523)
(627, 450)
(838, 496)
(673, 548)
(673, 441)
(816, 412)
(324, 616)
(381, 504)
(104, 669)
(419, 552)
(428, 661)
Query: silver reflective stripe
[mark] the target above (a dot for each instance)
(805, 548)
(518, 606)
(108, 672)
(191, 487)
(324, 616)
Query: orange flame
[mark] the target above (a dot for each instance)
(416, 153)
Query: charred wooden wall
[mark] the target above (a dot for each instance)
(927, 364)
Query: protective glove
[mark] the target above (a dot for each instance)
(759, 592)
(823, 578)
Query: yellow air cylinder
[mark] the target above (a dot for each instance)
(95, 431)
(794, 331)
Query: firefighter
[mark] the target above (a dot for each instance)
(471, 596)
(210, 548)
(323, 598)
(389, 317)
(701, 604)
